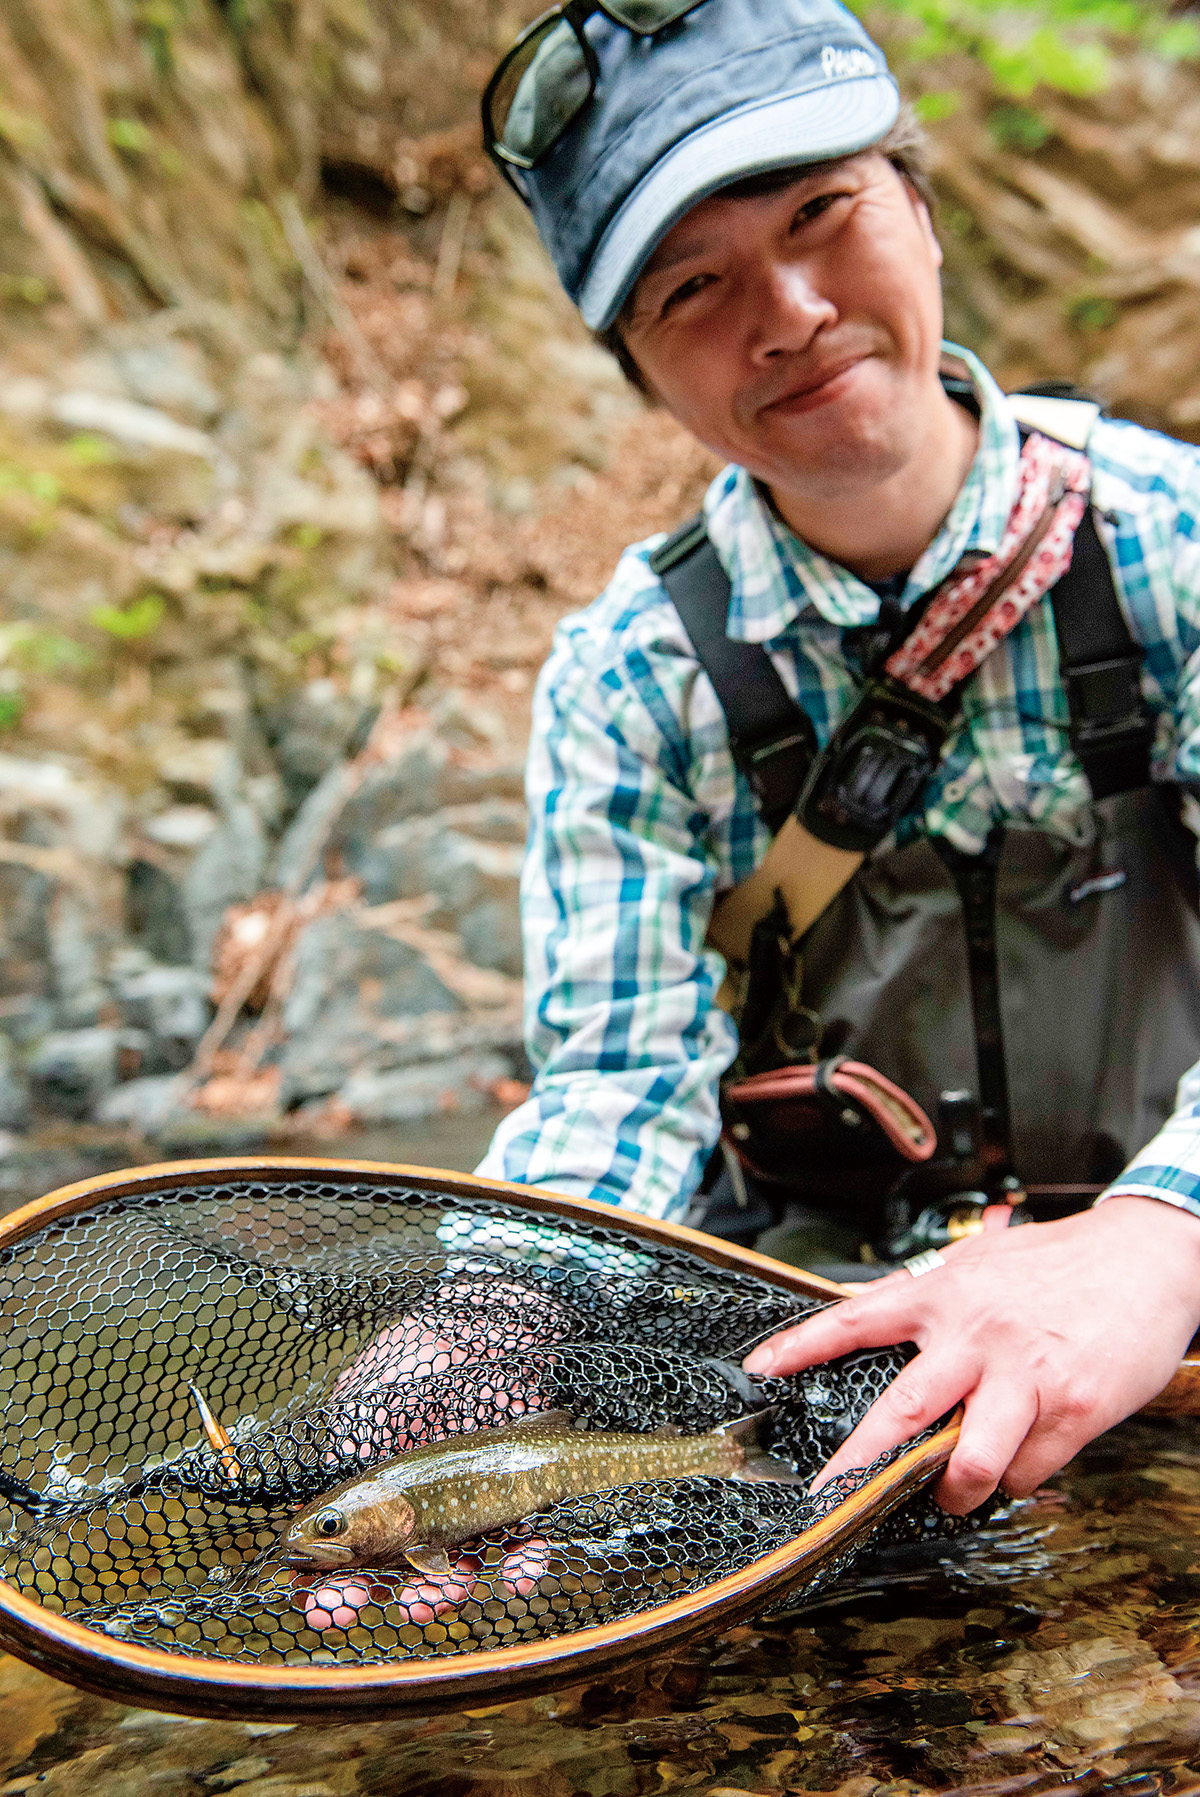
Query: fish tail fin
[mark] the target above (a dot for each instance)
(757, 1466)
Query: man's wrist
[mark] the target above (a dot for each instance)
(1157, 1218)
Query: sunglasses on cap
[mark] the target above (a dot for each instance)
(549, 76)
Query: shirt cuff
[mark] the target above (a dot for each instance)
(1168, 1169)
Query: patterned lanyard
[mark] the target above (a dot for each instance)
(980, 602)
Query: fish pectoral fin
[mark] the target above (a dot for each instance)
(433, 1560)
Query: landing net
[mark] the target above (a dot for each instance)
(330, 1325)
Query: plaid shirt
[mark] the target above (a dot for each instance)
(639, 820)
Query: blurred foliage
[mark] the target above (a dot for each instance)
(128, 622)
(1067, 45)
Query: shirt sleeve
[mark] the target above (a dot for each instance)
(1169, 1166)
(621, 1025)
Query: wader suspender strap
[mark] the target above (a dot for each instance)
(772, 742)
(1111, 732)
(974, 879)
(1110, 729)
(771, 737)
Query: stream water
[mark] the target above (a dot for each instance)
(1059, 1651)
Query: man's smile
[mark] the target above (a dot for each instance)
(818, 389)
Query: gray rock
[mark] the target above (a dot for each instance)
(338, 962)
(374, 831)
(26, 1016)
(395, 863)
(168, 374)
(227, 871)
(72, 1070)
(144, 1105)
(299, 856)
(466, 784)
(156, 914)
(491, 936)
(58, 807)
(181, 826)
(187, 1134)
(171, 1004)
(136, 426)
(349, 984)
(478, 886)
(14, 1089)
(410, 785)
(312, 732)
(407, 1094)
(402, 860)
(78, 950)
(24, 945)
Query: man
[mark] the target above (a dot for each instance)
(728, 196)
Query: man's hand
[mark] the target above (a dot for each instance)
(1049, 1334)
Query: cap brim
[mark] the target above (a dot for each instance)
(829, 121)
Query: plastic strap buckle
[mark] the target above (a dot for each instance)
(874, 769)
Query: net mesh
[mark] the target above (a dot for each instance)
(330, 1326)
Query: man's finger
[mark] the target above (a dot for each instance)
(1054, 1440)
(921, 1392)
(999, 1414)
(874, 1320)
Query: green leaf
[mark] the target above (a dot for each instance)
(44, 651)
(1092, 312)
(42, 484)
(90, 451)
(137, 619)
(934, 106)
(11, 707)
(128, 134)
(1018, 128)
(1179, 41)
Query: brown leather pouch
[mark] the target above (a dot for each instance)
(835, 1128)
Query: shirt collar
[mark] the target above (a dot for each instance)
(775, 577)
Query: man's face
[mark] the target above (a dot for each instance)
(798, 333)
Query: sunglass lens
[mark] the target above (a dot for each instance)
(648, 16)
(538, 91)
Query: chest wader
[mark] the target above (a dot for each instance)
(1041, 1001)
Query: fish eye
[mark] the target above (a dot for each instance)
(330, 1522)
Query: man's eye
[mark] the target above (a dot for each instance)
(685, 291)
(814, 208)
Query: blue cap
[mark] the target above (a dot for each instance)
(735, 88)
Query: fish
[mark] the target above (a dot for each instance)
(413, 1507)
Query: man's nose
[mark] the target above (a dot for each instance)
(789, 311)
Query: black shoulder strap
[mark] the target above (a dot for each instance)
(771, 737)
(1111, 728)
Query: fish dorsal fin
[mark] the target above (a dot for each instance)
(665, 1430)
(745, 1428)
(543, 1419)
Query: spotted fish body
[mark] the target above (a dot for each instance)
(413, 1507)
